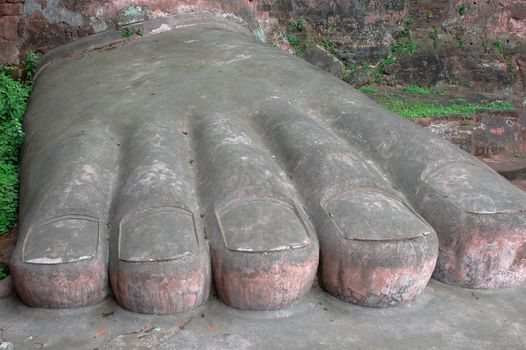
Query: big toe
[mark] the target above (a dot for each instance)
(61, 263)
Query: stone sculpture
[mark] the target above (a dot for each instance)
(155, 166)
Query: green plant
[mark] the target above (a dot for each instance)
(13, 98)
(429, 16)
(293, 39)
(439, 91)
(384, 63)
(349, 69)
(409, 23)
(29, 67)
(367, 90)
(298, 24)
(459, 40)
(300, 49)
(461, 10)
(367, 67)
(129, 33)
(406, 44)
(3, 272)
(499, 47)
(417, 109)
(8, 196)
(326, 44)
(461, 100)
(417, 90)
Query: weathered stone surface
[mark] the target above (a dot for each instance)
(10, 9)
(240, 163)
(487, 134)
(473, 44)
(9, 28)
(324, 60)
(8, 53)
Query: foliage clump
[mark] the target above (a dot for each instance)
(14, 92)
(417, 109)
(368, 90)
(3, 272)
(128, 33)
(416, 90)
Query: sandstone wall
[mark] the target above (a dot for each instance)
(479, 43)
(39, 25)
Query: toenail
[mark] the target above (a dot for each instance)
(475, 189)
(372, 215)
(158, 234)
(65, 239)
(262, 226)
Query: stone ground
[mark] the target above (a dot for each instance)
(443, 317)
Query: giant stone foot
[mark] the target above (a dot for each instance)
(199, 155)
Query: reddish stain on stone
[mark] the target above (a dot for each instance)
(484, 262)
(101, 331)
(379, 274)
(165, 287)
(268, 281)
(497, 131)
(213, 327)
(61, 286)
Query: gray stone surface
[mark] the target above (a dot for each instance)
(199, 154)
(443, 317)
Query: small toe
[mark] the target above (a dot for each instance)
(269, 258)
(381, 254)
(162, 266)
(375, 250)
(264, 250)
(481, 218)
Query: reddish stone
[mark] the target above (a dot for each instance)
(388, 273)
(424, 122)
(64, 286)
(164, 287)
(10, 9)
(9, 28)
(8, 53)
(502, 133)
(270, 282)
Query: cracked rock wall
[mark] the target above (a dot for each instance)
(477, 43)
